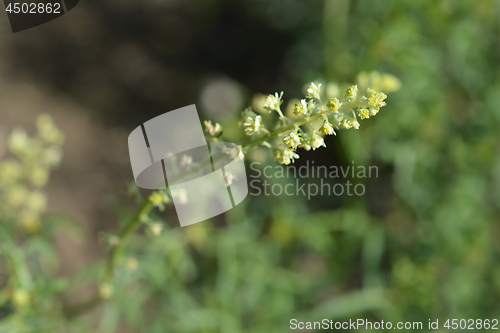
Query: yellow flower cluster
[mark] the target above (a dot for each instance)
(273, 102)
(337, 114)
(286, 156)
(159, 199)
(26, 171)
(213, 130)
(301, 108)
(298, 129)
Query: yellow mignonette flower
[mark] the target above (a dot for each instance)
(156, 228)
(364, 113)
(213, 130)
(316, 141)
(376, 99)
(351, 93)
(292, 140)
(300, 108)
(354, 123)
(273, 102)
(327, 128)
(158, 198)
(253, 125)
(286, 156)
(19, 142)
(334, 105)
(313, 91)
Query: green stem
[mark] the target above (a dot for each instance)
(133, 224)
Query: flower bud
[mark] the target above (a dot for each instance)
(300, 108)
(327, 128)
(334, 105)
(351, 93)
(313, 91)
(292, 140)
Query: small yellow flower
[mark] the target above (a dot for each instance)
(300, 108)
(213, 130)
(377, 99)
(354, 123)
(292, 140)
(351, 93)
(327, 128)
(273, 102)
(19, 142)
(345, 124)
(364, 113)
(158, 198)
(350, 123)
(20, 298)
(105, 290)
(334, 105)
(253, 125)
(230, 178)
(52, 156)
(236, 153)
(156, 228)
(286, 156)
(313, 91)
(304, 143)
(316, 141)
(373, 111)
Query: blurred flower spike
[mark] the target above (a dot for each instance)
(26, 171)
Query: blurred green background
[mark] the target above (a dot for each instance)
(421, 244)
